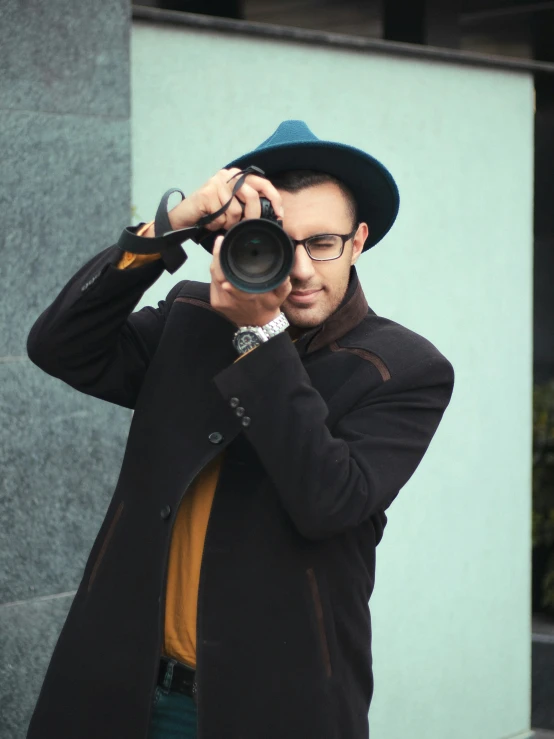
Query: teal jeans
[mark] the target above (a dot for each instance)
(173, 716)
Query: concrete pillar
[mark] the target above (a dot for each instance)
(64, 196)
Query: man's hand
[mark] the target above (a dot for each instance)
(243, 309)
(215, 193)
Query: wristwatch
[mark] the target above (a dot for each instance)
(249, 337)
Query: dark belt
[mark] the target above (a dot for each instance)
(177, 677)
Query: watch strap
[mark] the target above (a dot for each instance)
(264, 333)
(276, 326)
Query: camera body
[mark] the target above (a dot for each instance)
(256, 254)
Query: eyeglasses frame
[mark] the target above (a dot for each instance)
(344, 237)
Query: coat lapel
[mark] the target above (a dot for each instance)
(350, 313)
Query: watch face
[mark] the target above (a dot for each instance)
(247, 340)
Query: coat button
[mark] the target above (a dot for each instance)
(216, 437)
(165, 512)
(246, 421)
(234, 402)
(240, 411)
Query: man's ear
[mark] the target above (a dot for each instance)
(358, 241)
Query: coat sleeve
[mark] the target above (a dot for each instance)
(329, 481)
(89, 337)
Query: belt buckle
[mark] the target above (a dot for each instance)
(195, 691)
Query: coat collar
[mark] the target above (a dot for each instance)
(349, 314)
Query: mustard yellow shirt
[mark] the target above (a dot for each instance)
(185, 559)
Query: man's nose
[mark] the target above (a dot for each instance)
(303, 266)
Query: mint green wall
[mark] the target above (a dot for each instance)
(451, 608)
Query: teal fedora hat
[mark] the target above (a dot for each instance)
(294, 146)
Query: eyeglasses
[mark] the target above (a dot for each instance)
(324, 247)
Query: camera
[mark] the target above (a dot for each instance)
(256, 254)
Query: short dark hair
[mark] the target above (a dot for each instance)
(295, 180)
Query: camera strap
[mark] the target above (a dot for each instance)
(168, 242)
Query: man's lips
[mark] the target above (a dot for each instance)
(302, 297)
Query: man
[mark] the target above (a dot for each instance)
(226, 596)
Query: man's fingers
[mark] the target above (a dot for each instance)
(218, 191)
(230, 174)
(214, 205)
(215, 267)
(264, 188)
(217, 248)
(233, 214)
(251, 200)
(215, 252)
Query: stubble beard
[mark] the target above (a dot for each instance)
(302, 322)
(309, 317)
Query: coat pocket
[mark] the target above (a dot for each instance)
(320, 619)
(105, 545)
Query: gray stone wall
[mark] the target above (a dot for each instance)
(64, 195)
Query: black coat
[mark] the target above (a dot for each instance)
(338, 422)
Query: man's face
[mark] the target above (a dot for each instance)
(318, 287)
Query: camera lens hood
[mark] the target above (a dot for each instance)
(256, 255)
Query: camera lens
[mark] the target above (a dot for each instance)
(256, 255)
